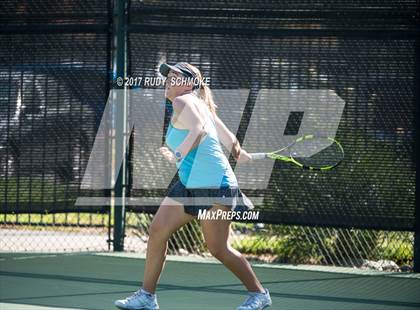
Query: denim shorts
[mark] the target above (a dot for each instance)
(195, 199)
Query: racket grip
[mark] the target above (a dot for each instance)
(258, 155)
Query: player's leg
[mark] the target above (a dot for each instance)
(216, 234)
(169, 217)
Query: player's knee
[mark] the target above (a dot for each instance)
(219, 251)
(158, 230)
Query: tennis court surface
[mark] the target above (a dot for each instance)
(94, 281)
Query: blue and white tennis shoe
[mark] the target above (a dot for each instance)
(256, 301)
(140, 300)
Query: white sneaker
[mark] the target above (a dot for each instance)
(140, 300)
(256, 301)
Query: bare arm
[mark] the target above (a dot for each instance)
(225, 136)
(229, 140)
(192, 120)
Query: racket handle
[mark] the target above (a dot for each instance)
(258, 155)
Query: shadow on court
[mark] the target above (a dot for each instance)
(89, 281)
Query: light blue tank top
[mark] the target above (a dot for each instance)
(205, 166)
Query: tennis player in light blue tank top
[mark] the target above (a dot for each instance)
(193, 138)
(205, 166)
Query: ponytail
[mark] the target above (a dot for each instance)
(205, 94)
(203, 91)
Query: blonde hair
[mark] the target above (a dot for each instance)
(204, 92)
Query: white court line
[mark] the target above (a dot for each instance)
(12, 306)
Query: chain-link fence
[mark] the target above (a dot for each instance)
(54, 76)
(267, 243)
(57, 66)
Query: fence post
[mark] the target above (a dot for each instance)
(416, 159)
(120, 117)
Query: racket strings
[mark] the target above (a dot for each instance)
(317, 153)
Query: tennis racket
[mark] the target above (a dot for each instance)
(308, 152)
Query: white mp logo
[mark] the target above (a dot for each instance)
(321, 110)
